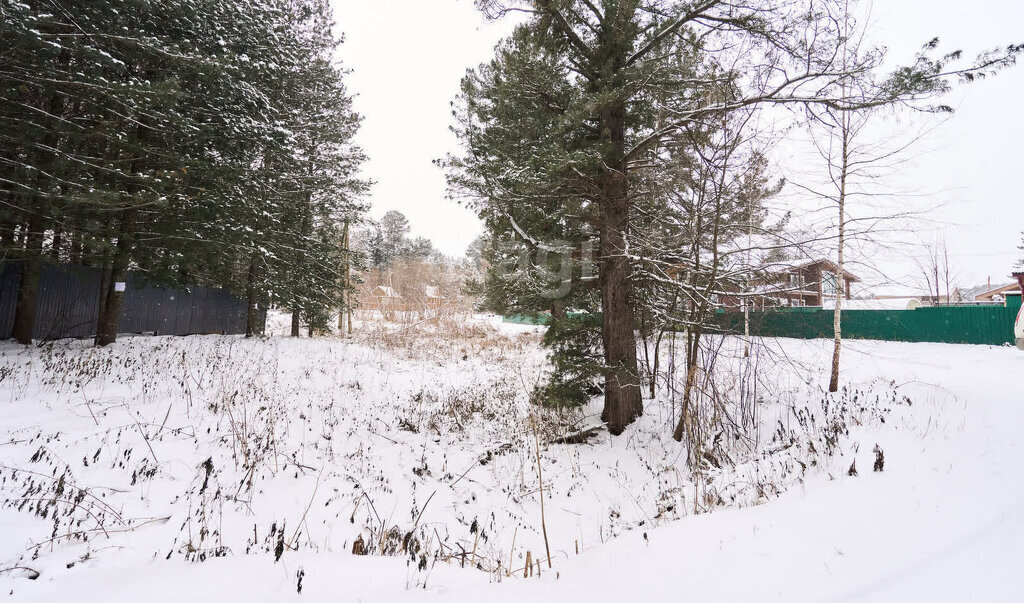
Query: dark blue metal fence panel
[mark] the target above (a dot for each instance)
(68, 303)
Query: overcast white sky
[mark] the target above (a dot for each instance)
(407, 57)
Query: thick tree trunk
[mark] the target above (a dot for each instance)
(32, 235)
(25, 306)
(558, 309)
(623, 401)
(104, 285)
(110, 314)
(106, 329)
(28, 288)
(295, 322)
(7, 226)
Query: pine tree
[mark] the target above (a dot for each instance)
(576, 113)
(194, 142)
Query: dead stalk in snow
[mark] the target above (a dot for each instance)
(540, 479)
(292, 542)
(89, 406)
(141, 432)
(420, 514)
(511, 553)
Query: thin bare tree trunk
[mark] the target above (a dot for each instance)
(846, 131)
(346, 283)
(252, 327)
(746, 326)
(655, 364)
(699, 310)
(692, 347)
(837, 317)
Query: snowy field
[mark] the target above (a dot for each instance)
(220, 469)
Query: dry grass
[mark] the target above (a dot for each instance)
(442, 338)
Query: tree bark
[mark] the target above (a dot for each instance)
(623, 401)
(558, 309)
(692, 349)
(746, 326)
(656, 364)
(837, 317)
(28, 288)
(110, 309)
(346, 293)
(7, 225)
(295, 322)
(106, 328)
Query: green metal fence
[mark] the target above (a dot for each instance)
(519, 319)
(986, 325)
(539, 319)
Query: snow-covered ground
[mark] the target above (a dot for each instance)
(218, 468)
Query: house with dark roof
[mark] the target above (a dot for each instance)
(812, 283)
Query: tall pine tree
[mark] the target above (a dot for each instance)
(578, 108)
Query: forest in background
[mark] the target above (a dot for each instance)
(202, 142)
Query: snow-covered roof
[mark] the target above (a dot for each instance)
(829, 265)
(385, 291)
(785, 268)
(989, 292)
(972, 293)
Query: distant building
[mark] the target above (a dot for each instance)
(998, 294)
(812, 283)
(432, 297)
(387, 299)
(987, 294)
